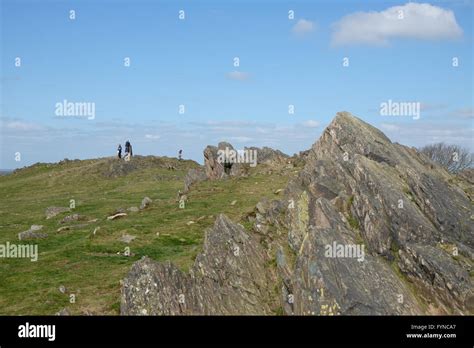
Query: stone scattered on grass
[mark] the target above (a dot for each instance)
(71, 218)
(127, 238)
(32, 233)
(63, 312)
(53, 211)
(145, 203)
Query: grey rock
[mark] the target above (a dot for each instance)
(32, 233)
(194, 176)
(223, 281)
(53, 211)
(145, 203)
(71, 218)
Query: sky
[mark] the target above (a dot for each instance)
(313, 57)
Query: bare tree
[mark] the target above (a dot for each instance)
(452, 157)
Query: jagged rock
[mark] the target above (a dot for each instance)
(228, 278)
(394, 201)
(194, 176)
(368, 227)
(221, 166)
(145, 203)
(267, 154)
(53, 211)
(213, 168)
(32, 233)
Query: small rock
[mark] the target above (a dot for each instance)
(95, 230)
(189, 223)
(133, 209)
(64, 228)
(233, 202)
(53, 211)
(71, 218)
(32, 233)
(145, 203)
(62, 289)
(127, 238)
(278, 191)
(63, 312)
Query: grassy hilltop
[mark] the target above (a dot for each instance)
(92, 266)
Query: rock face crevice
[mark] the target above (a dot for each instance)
(403, 223)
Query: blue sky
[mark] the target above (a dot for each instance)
(190, 62)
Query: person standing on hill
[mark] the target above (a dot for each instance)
(119, 151)
(180, 155)
(128, 150)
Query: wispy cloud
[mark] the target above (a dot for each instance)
(152, 136)
(238, 75)
(311, 124)
(466, 113)
(303, 27)
(412, 20)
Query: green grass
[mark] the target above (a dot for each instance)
(88, 265)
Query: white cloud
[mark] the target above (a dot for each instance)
(238, 75)
(302, 27)
(412, 20)
(311, 124)
(152, 136)
(464, 113)
(389, 127)
(241, 139)
(22, 126)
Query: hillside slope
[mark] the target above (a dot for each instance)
(73, 260)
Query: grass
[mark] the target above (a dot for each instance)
(88, 265)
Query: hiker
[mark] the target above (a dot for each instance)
(128, 151)
(180, 155)
(119, 151)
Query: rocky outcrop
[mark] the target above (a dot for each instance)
(224, 160)
(215, 165)
(194, 176)
(228, 277)
(368, 227)
(359, 188)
